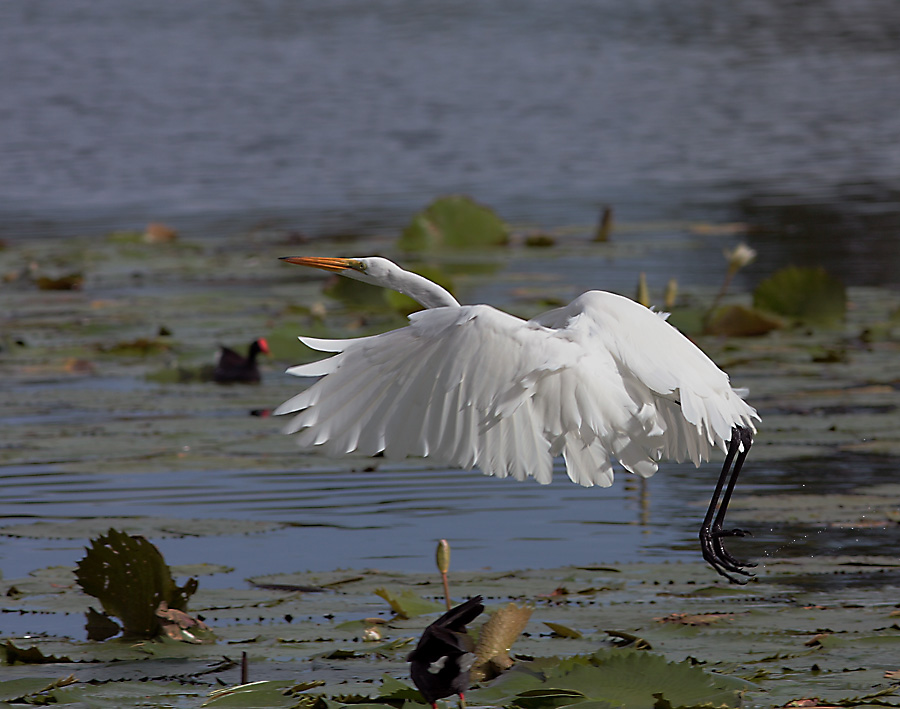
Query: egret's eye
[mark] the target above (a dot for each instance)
(357, 265)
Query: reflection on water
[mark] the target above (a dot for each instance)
(391, 517)
(388, 518)
(786, 230)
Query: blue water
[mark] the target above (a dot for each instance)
(330, 115)
(337, 116)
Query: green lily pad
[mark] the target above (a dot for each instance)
(741, 321)
(454, 222)
(618, 678)
(270, 693)
(563, 631)
(407, 604)
(809, 295)
(29, 656)
(30, 688)
(159, 527)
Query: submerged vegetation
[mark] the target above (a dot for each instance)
(91, 365)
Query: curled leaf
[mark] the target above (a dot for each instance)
(495, 639)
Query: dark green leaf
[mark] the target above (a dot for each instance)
(29, 656)
(130, 578)
(809, 295)
(455, 222)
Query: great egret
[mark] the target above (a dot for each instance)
(440, 664)
(602, 378)
(233, 368)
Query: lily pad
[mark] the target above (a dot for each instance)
(809, 295)
(454, 222)
(29, 689)
(407, 604)
(741, 321)
(159, 527)
(618, 678)
(563, 631)
(254, 694)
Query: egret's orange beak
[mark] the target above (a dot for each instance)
(325, 263)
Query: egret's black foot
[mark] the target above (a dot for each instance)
(732, 533)
(717, 556)
(717, 535)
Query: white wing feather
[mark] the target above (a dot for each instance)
(601, 379)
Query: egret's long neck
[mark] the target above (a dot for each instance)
(426, 292)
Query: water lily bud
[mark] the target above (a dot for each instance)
(739, 256)
(443, 556)
(671, 293)
(643, 292)
(371, 634)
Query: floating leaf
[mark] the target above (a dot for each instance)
(695, 618)
(407, 604)
(269, 693)
(150, 526)
(636, 679)
(393, 690)
(130, 578)
(28, 688)
(29, 656)
(551, 697)
(456, 222)
(809, 295)
(563, 631)
(741, 321)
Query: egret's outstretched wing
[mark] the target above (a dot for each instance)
(691, 391)
(473, 386)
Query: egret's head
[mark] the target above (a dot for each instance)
(371, 269)
(379, 271)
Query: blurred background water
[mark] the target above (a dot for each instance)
(344, 116)
(329, 115)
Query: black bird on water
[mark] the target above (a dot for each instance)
(440, 664)
(234, 368)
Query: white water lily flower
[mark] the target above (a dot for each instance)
(739, 256)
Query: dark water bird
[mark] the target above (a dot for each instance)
(233, 368)
(440, 664)
(602, 379)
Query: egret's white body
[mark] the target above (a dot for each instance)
(602, 379)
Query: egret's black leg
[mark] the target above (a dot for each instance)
(711, 532)
(746, 440)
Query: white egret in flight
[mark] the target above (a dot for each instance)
(601, 379)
